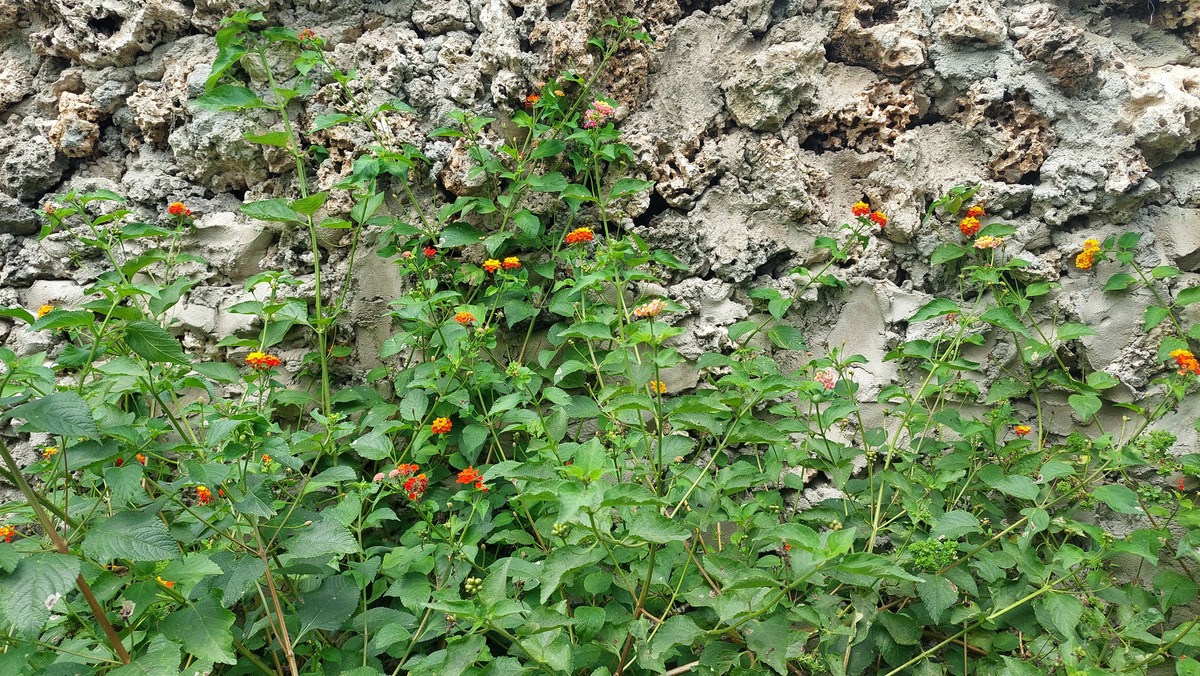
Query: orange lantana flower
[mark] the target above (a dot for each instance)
(580, 235)
(441, 426)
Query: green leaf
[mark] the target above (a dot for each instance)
(276, 210)
(946, 252)
(19, 313)
(770, 640)
(31, 585)
(955, 524)
(460, 234)
(330, 120)
(373, 445)
(1165, 272)
(1071, 331)
(1119, 282)
(874, 566)
(650, 526)
(324, 538)
(629, 186)
(1188, 296)
(1017, 486)
(152, 342)
(63, 414)
(329, 606)
(1004, 318)
(551, 182)
(903, 629)
(229, 97)
(1059, 613)
(62, 319)
(564, 560)
(547, 148)
(162, 657)
(937, 307)
(1086, 405)
(205, 630)
(132, 536)
(309, 205)
(786, 337)
(1155, 314)
(1120, 499)
(938, 595)
(528, 223)
(279, 139)
(594, 330)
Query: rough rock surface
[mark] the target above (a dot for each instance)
(760, 123)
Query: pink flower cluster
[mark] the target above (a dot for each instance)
(597, 115)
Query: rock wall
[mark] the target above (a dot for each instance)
(761, 123)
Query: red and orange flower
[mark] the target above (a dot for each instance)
(580, 236)
(441, 426)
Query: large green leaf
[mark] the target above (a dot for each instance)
(770, 640)
(324, 538)
(205, 630)
(59, 413)
(1005, 319)
(329, 606)
(278, 210)
(938, 594)
(162, 657)
(650, 526)
(934, 308)
(132, 536)
(1059, 613)
(151, 341)
(229, 97)
(1120, 499)
(460, 234)
(28, 591)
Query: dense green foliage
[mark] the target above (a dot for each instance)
(516, 490)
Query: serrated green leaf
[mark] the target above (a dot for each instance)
(955, 524)
(1086, 405)
(324, 538)
(62, 319)
(161, 658)
(938, 595)
(309, 205)
(551, 182)
(279, 139)
(547, 148)
(1015, 485)
(629, 186)
(461, 234)
(1120, 499)
(1060, 613)
(30, 587)
(229, 97)
(329, 606)
(1188, 296)
(946, 252)
(131, 536)
(1004, 318)
(204, 629)
(650, 526)
(770, 640)
(1119, 282)
(152, 342)
(275, 210)
(1071, 331)
(59, 413)
(935, 308)
(329, 120)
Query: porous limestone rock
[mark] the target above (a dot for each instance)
(75, 131)
(16, 218)
(106, 32)
(31, 168)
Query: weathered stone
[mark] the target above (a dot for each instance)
(762, 91)
(973, 22)
(107, 32)
(75, 131)
(16, 218)
(1163, 112)
(231, 243)
(31, 168)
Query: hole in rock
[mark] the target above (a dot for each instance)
(884, 12)
(657, 206)
(106, 25)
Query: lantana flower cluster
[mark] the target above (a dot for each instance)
(863, 210)
(598, 114)
(580, 236)
(261, 361)
(471, 475)
(1186, 361)
(1087, 257)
